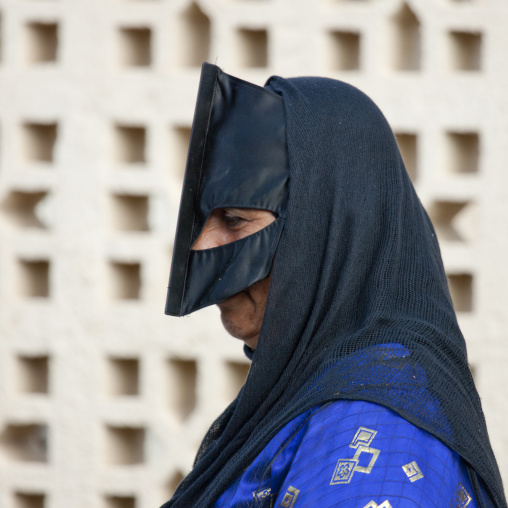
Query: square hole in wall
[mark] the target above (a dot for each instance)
(130, 141)
(408, 146)
(125, 280)
(236, 374)
(123, 374)
(465, 51)
(135, 46)
(343, 50)
(454, 221)
(24, 442)
(19, 208)
(172, 484)
(180, 139)
(120, 502)
(39, 141)
(463, 152)
(461, 291)
(41, 42)
(25, 500)
(182, 381)
(406, 47)
(193, 37)
(129, 213)
(1, 37)
(124, 445)
(474, 372)
(252, 47)
(33, 374)
(33, 279)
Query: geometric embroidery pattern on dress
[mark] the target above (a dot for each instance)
(346, 468)
(289, 499)
(462, 497)
(259, 495)
(373, 504)
(412, 471)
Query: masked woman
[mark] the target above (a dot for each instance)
(299, 220)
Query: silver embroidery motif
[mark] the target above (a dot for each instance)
(373, 504)
(363, 437)
(289, 499)
(259, 495)
(345, 468)
(412, 471)
(462, 497)
(344, 471)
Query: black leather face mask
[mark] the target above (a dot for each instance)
(237, 159)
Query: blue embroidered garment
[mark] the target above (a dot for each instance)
(352, 454)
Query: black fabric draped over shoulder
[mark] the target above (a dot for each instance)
(358, 265)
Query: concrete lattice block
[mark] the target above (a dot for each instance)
(125, 280)
(123, 375)
(461, 291)
(406, 33)
(39, 141)
(408, 146)
(129, 213)
(463, 152)
(465, 51)
(180, 138)
(125, 446)
(120, 502)
(22, 500)
(454, 221)
(173, 483)
(33, 374)
(252, 47)
(343, 50)
(235, 374)
(20, 208)
(182, 383)
(194, 32)
(130, 144)
(41, 42)
(20, 442)
(33, 278)
(135, 46)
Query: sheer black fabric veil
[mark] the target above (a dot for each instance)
(358, 265)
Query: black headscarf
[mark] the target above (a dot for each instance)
(358, 265)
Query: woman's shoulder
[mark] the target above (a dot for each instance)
(353, 453)
(357, 450)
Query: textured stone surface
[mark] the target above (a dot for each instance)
(103, 400)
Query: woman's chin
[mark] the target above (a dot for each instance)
(238, 315)
(242, 314)
(240, 328)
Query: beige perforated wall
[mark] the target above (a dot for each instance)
(103, 400)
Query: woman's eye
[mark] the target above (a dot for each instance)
(233, 222)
